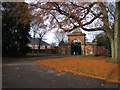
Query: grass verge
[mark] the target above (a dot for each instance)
(40, 54)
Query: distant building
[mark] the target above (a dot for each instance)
(34, 44)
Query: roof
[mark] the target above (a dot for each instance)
(91, 43)
(36, 42)
(76, 33)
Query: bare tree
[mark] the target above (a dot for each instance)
(40, 31)
(61, 37)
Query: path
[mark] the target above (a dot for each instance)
(22, 73)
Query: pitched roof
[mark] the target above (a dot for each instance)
(91, 43)
(76, 33)
(36, 42)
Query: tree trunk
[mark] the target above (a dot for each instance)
(113, 50)
(115, 39)
(34, 44)
(39, 45)
(116, 42)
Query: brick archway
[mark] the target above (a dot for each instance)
(79, 36)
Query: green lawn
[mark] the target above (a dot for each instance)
(40, 54)
(86, 56)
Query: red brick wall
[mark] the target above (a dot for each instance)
(81, 38)
(65, 49)
(97, 51)
(103, 51)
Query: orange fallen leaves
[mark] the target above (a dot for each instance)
(95, 67)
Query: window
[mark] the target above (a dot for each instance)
(90, 50)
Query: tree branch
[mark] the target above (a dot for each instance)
(92, 29)
(97, 16)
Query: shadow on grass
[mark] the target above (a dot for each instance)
(85, 56)
(88, 56)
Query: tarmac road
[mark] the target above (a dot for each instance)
(22, 73)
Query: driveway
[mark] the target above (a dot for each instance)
(22, 73)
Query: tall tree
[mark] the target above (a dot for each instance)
(116, 42)
(102, 40)
(89, 16)
(15, 28)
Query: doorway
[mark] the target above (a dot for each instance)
(76, 47)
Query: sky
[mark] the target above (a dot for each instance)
(49, 37)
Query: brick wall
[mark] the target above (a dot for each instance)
(81, 38)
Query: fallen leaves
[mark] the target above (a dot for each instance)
(95, 67)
